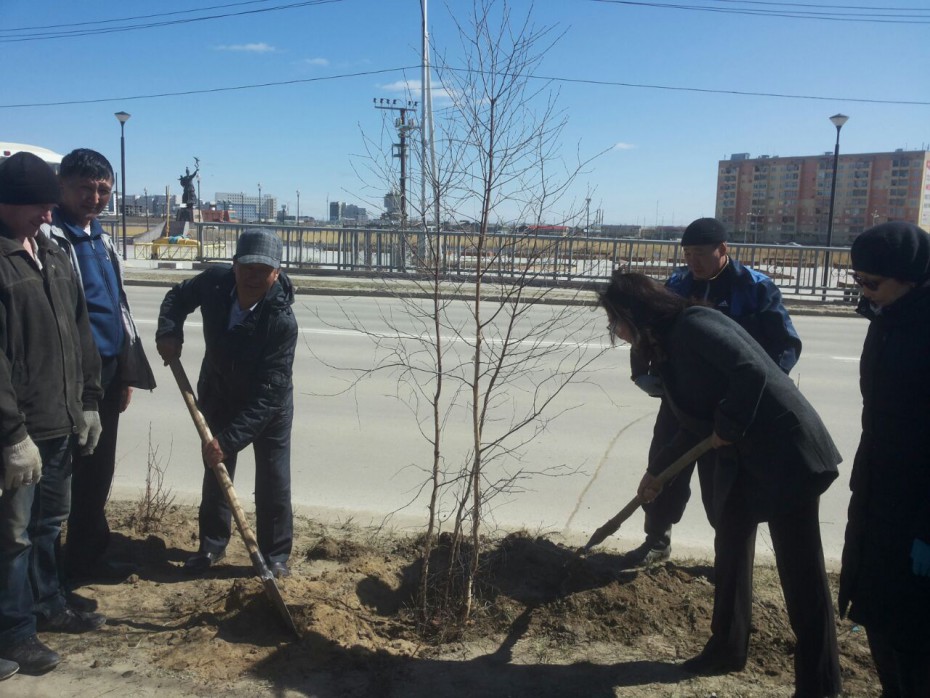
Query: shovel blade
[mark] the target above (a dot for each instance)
(274, 595)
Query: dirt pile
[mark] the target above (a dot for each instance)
(546, 625)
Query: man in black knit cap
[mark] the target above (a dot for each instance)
(49, 390)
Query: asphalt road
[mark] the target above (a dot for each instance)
(358, 452)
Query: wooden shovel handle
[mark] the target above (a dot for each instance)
(251, 543)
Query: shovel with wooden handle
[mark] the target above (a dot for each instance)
(251, 544)
(613, 525)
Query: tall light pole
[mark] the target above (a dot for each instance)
(260, 211)
(123, 117)
(838, 121)
(297, 220)
(587, 214)
(145, 191)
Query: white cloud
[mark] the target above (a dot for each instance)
(316, 61)
(413, 88)
(260, 47)
(623, 146)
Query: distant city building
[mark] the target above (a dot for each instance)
(249, 209)
(340, 211)
(787, 199)
(392, 204)
(351, 212)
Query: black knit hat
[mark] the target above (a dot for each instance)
(704, 231)
(896, 250)
(27, 179)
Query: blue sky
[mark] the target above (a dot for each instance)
(663, 144)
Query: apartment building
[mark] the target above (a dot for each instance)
(787, 199)
(248, 209)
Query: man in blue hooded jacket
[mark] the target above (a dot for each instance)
(86, 179)
(750, 298)
(245, 389)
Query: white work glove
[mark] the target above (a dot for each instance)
(90, 434)
(22, 464)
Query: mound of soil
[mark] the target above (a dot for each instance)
(544, 624)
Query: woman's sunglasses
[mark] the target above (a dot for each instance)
(870, 284)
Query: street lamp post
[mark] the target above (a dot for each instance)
(298, 209)
(260, 211)
(123, 117)
(145, 191)
(838, 121)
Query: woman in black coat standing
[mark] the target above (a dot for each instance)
(774, 459)
(886, 559)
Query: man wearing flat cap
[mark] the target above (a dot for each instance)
(245, 388)
(49, 389)
(751, 299)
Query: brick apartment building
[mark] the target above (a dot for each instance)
(787, 199)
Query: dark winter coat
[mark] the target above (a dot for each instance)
(49, 365)
(246, 377)
(890, 482)
(717, 378)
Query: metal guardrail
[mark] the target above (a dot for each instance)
(554, 260)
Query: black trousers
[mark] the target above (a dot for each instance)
(667, 509)
(88, 529)
(799, 559)
(273, 513)
(903, 671)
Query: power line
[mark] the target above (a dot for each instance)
(548, 78)
(45, 35)
(46, 27)
(740, 93)
(826, 7)
(795, 14)
(209, 90)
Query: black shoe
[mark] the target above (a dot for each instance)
(279, 570)
(712, 664)
(31, 655)
(202, 561)
(7, 668)
(80, 603)
(70, 621)
(648, 554)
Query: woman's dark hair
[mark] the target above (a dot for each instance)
(644, 305)
(84, 162)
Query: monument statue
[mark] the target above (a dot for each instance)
(189, 195)
(187, 183)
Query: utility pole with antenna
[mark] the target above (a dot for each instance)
(400, 149)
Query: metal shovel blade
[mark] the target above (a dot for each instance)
(248, 537)
(613, 525)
